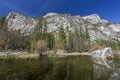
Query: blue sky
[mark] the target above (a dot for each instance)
(107, 9)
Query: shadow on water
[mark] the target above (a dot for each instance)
(69, 68)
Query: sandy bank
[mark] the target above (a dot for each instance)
(25, 55)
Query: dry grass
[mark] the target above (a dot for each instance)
(97, 45)
(18, 55)
(25, 55)
(62, 53)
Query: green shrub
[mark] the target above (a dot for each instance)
(3, 23)
(53, 55)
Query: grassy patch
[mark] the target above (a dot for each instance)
(53, 55)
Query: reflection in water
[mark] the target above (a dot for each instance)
(103, 62)
(105, 69)
(70, 68)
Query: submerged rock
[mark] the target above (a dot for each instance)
(104, 53)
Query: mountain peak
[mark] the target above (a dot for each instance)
(97, 27)
(50, 14)
(16, 21)
(92, 16)
(12, 15)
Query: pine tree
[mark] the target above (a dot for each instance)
(87, 37)
(77, 41)
(3, 23)
(62, 36)
(36, 35)
(38, 31)
(49, 38)
(70, 40)
(82, 39)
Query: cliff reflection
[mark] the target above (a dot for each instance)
(68, 68)
(105, 69)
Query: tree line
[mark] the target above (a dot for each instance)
(41, 40)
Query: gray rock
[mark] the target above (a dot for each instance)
(106, 52)
(99, 29)
(20, 22)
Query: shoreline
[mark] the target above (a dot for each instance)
(26, 55)
(74, 54)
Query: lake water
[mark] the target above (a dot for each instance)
(69, 68)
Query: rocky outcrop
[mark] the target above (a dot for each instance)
(21, 23)
(104, 53)
(98, 29)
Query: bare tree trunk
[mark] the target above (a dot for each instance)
(40, 52)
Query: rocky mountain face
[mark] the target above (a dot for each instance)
(20, 22)
(98, 29)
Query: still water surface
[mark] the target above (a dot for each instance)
(69, 68)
